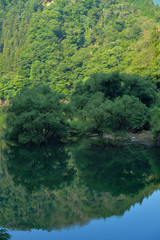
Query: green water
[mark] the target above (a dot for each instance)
(61, 187)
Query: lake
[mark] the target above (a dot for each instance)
(80, 192)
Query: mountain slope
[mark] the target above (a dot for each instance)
(68, 41)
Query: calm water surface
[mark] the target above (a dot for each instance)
(141, 222)
(76, 192)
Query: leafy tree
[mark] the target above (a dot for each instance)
(140, 87)
(4, 235)
(109, 84)
(129, 113)
(35, 116)
(10, 85)
(155, 123)
(2, 120)
(69, 41)
(95, 115)
(114, 85)
(112, 102)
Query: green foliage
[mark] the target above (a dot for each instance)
(95, 115)
(2, 120)
(36, 116)
(68, 41)
(114, 85)
(146, 6)
(155, 123)
(92, 42)
(4, 235)
(141, 88)
(10, 85)
(125, 113)
(129, 112)
(112, 102)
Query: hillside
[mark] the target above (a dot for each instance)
(61, 42)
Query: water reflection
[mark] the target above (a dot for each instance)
(115, 170)
(69, 186)
(39, 166)
(4, 234)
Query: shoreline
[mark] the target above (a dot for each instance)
(144, 138)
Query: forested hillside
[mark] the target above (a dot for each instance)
(63, 41)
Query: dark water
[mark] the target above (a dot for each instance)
(75, 192)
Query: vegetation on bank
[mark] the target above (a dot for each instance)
(106, 103)
(102, 55)
(36, 115)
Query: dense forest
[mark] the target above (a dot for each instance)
(88, 67)
(61, 42)
(76, 70)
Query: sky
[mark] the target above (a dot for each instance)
(156, 2)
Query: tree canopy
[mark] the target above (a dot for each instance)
(35, 116)
(113, 102)
(62, 42)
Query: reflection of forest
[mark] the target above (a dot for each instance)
(35, 167)
(4, 234)
(66, 188)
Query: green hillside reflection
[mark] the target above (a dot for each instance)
(58, 187)
(39, 166)
(114, 170)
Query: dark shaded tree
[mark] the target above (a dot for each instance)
(4, 235)
(140, 87)
(36, 116)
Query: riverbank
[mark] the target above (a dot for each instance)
(144, 138)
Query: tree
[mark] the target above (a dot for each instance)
(129, 113)
(4, 235)
(36, 116)
(96, 114)
(139, 87)
(155, 123)
(101, 105)
(109, 84)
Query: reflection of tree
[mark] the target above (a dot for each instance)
(155, 162)
(36, 167)
(76, 203)
(4, 235)
(115, 170)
